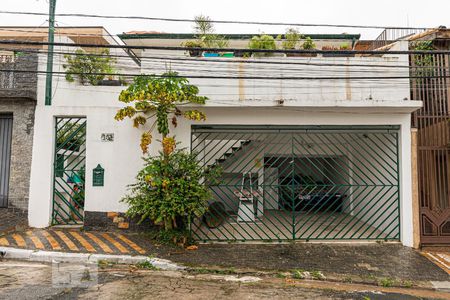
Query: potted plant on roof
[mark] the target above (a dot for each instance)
(90, 68)
(262, 42)
(309, 44)
(291, 39)
(111, 79)
(342, 47)
(193, 44)
(206, 38)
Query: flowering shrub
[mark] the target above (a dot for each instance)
(170, 186)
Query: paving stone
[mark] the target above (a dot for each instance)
(11, 220)
(112, 215)
(118, 219)
(123, 225)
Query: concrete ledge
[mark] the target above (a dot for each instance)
(13, 253)
(67, 257)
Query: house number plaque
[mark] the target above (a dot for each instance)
(98, 176)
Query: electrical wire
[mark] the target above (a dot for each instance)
(110, 35)
(232, 77)
(170, 48)
(212, 21)
(208, 60)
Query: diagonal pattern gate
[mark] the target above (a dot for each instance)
(69, 170)
(300, 183)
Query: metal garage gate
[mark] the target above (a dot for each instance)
(300, 183)
(6, 124)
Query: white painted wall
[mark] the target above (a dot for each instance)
(268, 92)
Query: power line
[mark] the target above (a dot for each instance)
(232, 77)
(192, 67)
(389, 63)
(214, 21)
(99, 35)
(384, 84)
(173, 48)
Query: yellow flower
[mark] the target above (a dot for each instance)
(168, 144)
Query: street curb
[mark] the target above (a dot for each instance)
(68, 257)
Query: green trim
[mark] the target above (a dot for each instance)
(197, 128)
(189, 36)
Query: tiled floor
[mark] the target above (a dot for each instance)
(280, 225)
(440, 258)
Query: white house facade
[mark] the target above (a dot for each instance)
(304, 158)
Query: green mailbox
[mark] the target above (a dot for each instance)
(98, 176)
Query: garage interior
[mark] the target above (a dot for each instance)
(300, 183)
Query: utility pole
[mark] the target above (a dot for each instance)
(51, 40)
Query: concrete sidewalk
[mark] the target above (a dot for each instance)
(365, 262)
(360, 260)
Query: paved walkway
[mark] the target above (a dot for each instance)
(72, 240)
(365, 261)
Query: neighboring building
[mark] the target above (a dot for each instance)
(433, 137)
(18, 94)
(431, 171)
(319, 159)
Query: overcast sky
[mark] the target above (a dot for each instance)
(415, 13)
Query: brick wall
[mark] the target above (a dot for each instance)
(18, 97)
(21, 149)
(19, 85)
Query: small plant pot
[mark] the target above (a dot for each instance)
(211, 54)
(214, 217)
(110, 82)
(227, 54)
(195, 53)
(241, 54)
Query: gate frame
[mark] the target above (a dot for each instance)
(396, 129)
(54, 169)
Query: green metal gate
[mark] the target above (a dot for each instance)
(300, 183)
(69, 171)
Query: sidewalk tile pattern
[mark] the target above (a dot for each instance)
(73, 241)
(440, 259)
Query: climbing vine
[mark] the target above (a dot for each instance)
(423, 63)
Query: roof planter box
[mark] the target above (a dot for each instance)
(337, 50)
(110, 82)
(301, 54)
(211, 54)
(216, 54)
(227, 54)
(338, 55)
